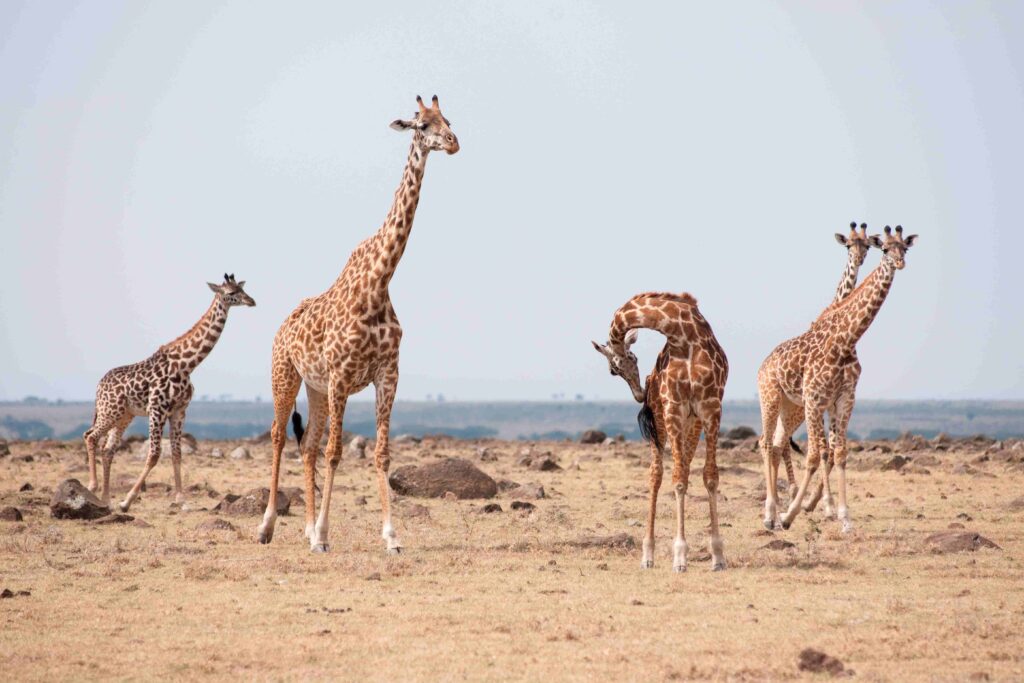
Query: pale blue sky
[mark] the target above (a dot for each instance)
(607, 149)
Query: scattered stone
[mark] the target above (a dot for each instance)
(958, 541)
(433, 480)
(71, 500)
(531, 491)
(621, 541)
(911, 442)
(965, 517)
(115, 518)
(778, 544)
(927, 460)
(816, 661)
(6, 593)
(602, 567)
(216, 524)
(360, 500)
(252, 503)
(507, 484)
(4, 448)
(915, 469)
(894, 464)
(240, 453)
(11, 514)
(490, 508)
(593, 436)
(739, 433)
(955, 525)
(523, 506)
(544, 464)
(375, 576)
(726, 444)
(1016, 504)
(216, 453)
(485, 454)
(357, 447)
(26, 487)
(415, 510)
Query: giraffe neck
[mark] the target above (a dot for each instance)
(667, 316)
(849, 280)
(195, 345)
(394, 234)
(858, 310)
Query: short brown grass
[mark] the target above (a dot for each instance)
(504, 596)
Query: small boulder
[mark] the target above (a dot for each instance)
(531, 491)
(252, 503)
(357, 447)
(490, 508)
(4, 448)
(216, 524)
(71, 500)
(433, 480)
(240, 453)
(894, 464)
(523, 506)
(778, 544)
(739, 433)
(216, 453)
(544, 464)
(10, 514)
(26, 487)
(816, 661)
(1016, 504)
(114, 518)
(958, 541)
(507, 484)
(593, 436)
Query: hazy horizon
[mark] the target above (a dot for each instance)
(147, 148)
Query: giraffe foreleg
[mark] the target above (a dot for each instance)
(815, 446)
(92, 436)
(285, 382)
(177, 419)
(711, 416)
(682, 456)
(337, 398)
(157, 417)
(769, 397)
(113, 443)
(385, 387)
(844, 409)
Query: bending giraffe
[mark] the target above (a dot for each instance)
(344, 339)
(857, 245)
(683, 396)
(160, 388)
(805, 377)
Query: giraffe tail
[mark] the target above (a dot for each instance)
(648, 427)
(297, 427)
(795, 446)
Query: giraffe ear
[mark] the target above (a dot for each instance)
(215, 288)
(631, 337)
(910, 240)
(842, 239)
(399, 124)
(875, 241)
(600, 348)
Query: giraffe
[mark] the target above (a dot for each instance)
(683, 395)
(347, 337)
(807, 376)
(857, 246)
(160, 388)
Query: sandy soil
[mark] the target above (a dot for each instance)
(509, 595)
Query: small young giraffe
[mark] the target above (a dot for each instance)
(160, 388)
(857, 246)
(340, 341)
(683, 395)
(805, 377)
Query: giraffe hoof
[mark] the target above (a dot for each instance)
(679, 568)
(123, 507)
(319, 548)
(264, 538)
(647, 564)
(847, 526)
(397, 550)
(769, 524)
(718, 566)
(786, 524)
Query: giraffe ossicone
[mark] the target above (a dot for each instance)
(158, 387)
(340, 341)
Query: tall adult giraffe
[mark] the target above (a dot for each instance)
(804, 378)
(344, 339)
(857, 245)
(683, 395)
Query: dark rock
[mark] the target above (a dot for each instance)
(531, 491)
(778, 544)
(816, 661)
(115, 518)
(621, 541)
(523, 506)
(1016, 504)
(216, 524)
(726, 444)
(433, 480)
(4, 448)
(740, 433)
(544, 464)
(894, 464)
(490, 508)
(252, 503)
(911, 442)
(927, 460)
(958, 541)
(26, 487)
(10, 514)
(71, 500)
(507, 484)
(593, 436)
(6, 593)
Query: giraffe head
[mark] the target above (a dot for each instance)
(894, 246)
(624, 364)
(231, 292)
(431, 130)
(856, 243)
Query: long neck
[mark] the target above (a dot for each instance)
(394, 234)
(858, 311)
(196, 344)
(666, 316)
(849, 280)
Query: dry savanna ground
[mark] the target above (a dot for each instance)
(517, 594)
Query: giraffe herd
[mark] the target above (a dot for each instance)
(339, 342)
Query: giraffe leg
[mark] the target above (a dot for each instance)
(790, 417)
(682, 455)
(647, 559)
(770, 398)
(157, 417)
(285, 384)
(337, 398)
(310, 448)
(177, 419)
(844, 409)
(385, 386)
(711, 416)
(113, 443)
(103, 423)
(823, 491)
(814, 415)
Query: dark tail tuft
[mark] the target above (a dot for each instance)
(795, 446)
(648, 428)
(297, 427)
